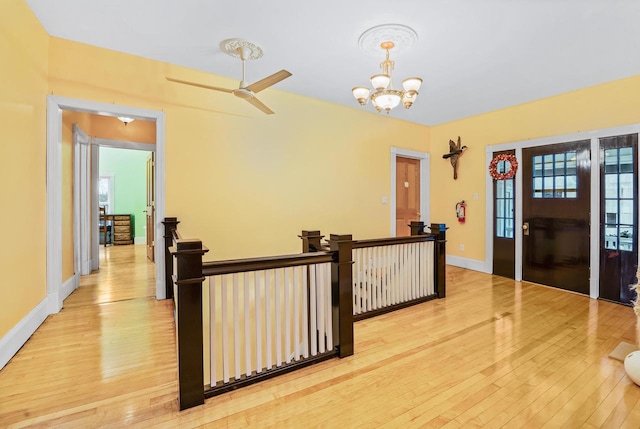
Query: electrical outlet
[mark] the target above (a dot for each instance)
(462, 247)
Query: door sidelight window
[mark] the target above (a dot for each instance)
(618, 199)
(504, 204)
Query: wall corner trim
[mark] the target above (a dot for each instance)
(19, 334)
(69, 286)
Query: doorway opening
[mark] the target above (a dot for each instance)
(56, 293)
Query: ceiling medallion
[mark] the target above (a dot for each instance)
(402, 37)
(233, 47)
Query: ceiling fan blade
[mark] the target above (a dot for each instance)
(260, 105)
(268, 81)
(215, 88)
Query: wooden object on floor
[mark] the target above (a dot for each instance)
(122, 231)
(494, 353)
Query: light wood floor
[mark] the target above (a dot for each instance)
(494, 353)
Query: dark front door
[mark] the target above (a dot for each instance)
(618, 217)
(503, 222)
(555, 209)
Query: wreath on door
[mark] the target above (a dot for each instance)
(510, 173)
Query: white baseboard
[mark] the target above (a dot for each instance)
(140, 240)
(19, 334)
(470, 264)
(69, 286)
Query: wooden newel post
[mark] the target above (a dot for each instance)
(439, 229)
(170, 225)
(342, 292)
(311, 241)
(417, 228)
(188, 279)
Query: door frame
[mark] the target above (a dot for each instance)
(55, 106)
(425, 207)
(594, 240)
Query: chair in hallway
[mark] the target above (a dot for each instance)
(105, 228)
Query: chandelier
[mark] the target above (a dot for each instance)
(384, 96)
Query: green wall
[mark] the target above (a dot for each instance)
(129, 169)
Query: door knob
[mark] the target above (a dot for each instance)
(525, 228)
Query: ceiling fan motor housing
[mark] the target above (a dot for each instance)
(243, 93)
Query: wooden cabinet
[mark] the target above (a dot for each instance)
(122, 229)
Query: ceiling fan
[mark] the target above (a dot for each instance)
(244, 50)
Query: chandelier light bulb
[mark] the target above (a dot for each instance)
(361, 94)
(412, 84)
(380, 81)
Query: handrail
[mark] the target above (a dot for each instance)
(213, 268)
(388, 241)
(176, 234)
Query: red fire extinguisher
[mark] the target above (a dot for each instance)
(461, 209)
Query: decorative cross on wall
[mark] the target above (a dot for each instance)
(455, 151)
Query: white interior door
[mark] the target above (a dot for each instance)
(82, 201)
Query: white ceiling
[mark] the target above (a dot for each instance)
(474, 55)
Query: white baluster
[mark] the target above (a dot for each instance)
(414, 270)
(305, 313)
(405, 273)
(257, 284)
(385, 283)
(312, 307)
(225, 332)
(409, 271)
(369, 280)
(401, 272)
(212, 329)
(328, 307)
(236, 326)
(287, 316)
(396, 274)
(247, 327)
(431, 271)
(267, 297)
(296, 312)
(277, 286)
(423, 269)
(393, 270)
(361, 280)
(375, 265)
(321, 325)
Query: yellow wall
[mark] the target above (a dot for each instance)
(244, 182)
(23, 86)
(603, 106)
